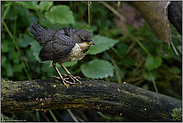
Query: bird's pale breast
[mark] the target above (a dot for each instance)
(77, 53)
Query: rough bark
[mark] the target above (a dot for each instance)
(116, 98)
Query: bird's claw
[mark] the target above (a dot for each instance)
(64, 80)
(70, 76)
(74, 78)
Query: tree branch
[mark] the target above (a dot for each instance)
(115, 98)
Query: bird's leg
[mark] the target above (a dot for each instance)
(74, 78)
(63, 80)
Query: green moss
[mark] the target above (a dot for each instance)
(177, 114)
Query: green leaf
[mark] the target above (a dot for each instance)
(13, 55)
(36, 48)
(45, 5)
(4, 46)
(149, 62)
(147, 76)
(97, 69)
(152, 63)
(3, 60)
(17, 67)
(175, 70)
(122, 47)
(9, 70)
(45, 67)
(128, 62)
(30, 4)
(66, 64)
(157, 62)
(101, 44)
(24, 42)
(50, 26)
(69, 64)
(60, 14)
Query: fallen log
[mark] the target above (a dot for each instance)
(116, 98)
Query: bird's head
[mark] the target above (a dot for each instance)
(84, 37)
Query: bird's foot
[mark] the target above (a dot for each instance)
(74, 78)
(70, 76)
(64, 81)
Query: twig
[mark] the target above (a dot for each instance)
(114, 11)
(89, 4)
(174, 48)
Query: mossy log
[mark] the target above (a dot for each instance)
(116, 98)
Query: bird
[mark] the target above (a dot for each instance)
(62, 45)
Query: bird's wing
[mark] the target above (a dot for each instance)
(57, 48)
(70, 31)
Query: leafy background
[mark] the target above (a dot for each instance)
(123, 52)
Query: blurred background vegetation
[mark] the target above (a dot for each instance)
(124, 51)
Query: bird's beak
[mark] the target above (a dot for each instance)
(91, 43)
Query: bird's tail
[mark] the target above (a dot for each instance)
(37, 31)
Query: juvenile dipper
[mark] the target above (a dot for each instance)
(62, 45)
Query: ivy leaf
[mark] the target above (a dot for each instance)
(36, 48)
(152, 63)
(45, 5)
(60, 14)
(29, 4)
(69, 64)
(97, 69)
(102, 44)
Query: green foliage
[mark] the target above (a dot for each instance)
(148, 77)
(102, 44)
(177, 114)
(60, 14)
(45, 5)
(97, 69)
(36, 48)
(24, 41)
(175, 70)
(30, 4)
(69, 64)
(152, 63)
(165, 51)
